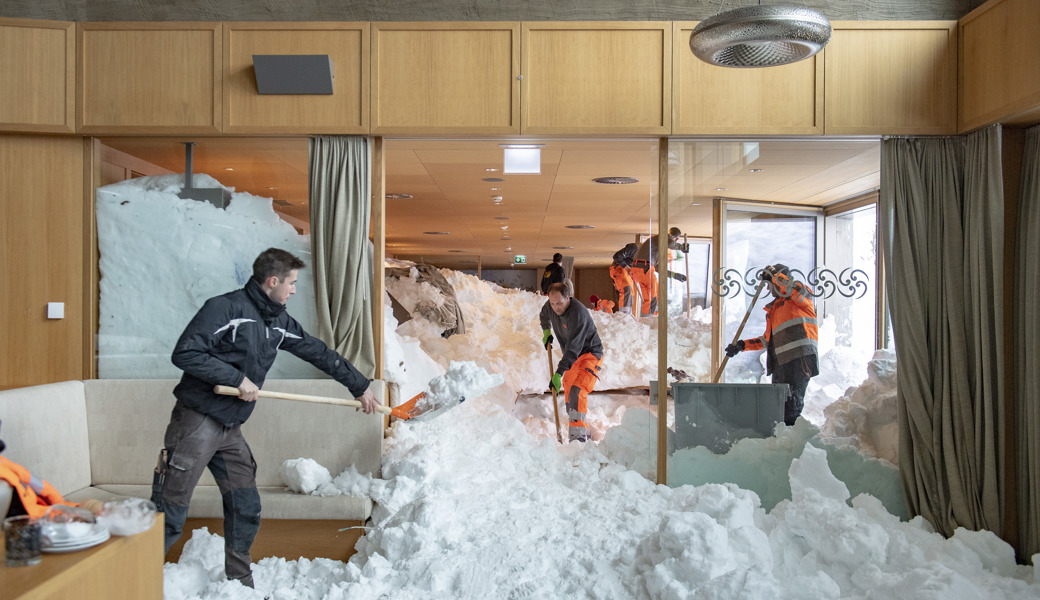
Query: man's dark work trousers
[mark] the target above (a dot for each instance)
(195, 442)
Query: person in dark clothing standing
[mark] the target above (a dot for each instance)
(233, 341)
(790, 338)
(578, 370)
(553, 273)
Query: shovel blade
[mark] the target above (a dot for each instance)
(416, 408)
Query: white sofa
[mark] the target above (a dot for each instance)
(101, 438)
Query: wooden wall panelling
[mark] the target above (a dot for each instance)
(345, 111)
(445, 78)
(707, 99)
(149, 78)
(37, 67)
(41, 253)
(1000, 64)
(891, 78)
(596, 77)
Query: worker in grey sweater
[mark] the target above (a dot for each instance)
(578, 370)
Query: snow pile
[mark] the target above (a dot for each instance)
(866, 417)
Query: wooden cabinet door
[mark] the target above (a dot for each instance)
(596, 77)
(445, 78)
(889, 77)
(149, 78)
(708, 99)
(345, 111)
(37, 67)
(1000, 64)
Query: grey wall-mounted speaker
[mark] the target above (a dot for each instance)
(293, 73)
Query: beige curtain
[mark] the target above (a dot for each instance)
(340, 209)
(1027, 334)
(941, 203)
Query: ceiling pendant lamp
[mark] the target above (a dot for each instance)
(760, 36)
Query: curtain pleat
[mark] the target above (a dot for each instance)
(1027, 335)
(941, 206)
(340, 209)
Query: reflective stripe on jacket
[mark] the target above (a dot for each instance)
(791, 327)
(36, 494)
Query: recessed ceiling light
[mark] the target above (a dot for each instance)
(563, 247)
(580, 226)
(229, 168)
(492, 179)
(503, 227)
(502, 218)
(757, 170)
(396, 196)
(695, 203)
(458, 250)
(616, 180)
(272, 187)
(490, 170)
(497, 198)
(720, 189)
(436, 232)
(494, 189)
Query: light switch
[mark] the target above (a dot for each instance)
(55, 310)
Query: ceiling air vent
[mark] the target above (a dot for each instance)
(399, 196)
(616, 180)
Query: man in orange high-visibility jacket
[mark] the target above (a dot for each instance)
(621, 275)
(790, 339)
(601, 304)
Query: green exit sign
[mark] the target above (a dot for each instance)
(520, 259)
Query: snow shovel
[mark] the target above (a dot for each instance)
(736, 336)
(556, 403)
(406, 411)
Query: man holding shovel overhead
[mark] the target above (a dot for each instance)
(233, 341)
(578, 370)
(790, 339)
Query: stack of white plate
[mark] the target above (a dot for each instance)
(64, 543)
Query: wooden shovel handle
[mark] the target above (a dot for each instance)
(230, 391)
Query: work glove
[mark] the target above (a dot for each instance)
(685, 248)
(547, 338)
(767, 273)
(556, 383)
(734, 348)
(678, 277)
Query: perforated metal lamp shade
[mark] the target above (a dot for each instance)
(760, 36)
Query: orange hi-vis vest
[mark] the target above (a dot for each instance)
(790, 324)
(605, 305)
(36, 494)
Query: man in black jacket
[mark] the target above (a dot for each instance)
(553, 273)
(233, 341)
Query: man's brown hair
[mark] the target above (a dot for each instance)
(275, 262)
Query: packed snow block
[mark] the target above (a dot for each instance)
(718, 415)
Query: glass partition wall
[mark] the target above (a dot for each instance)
(741, 205)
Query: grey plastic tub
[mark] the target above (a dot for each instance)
(717, 415)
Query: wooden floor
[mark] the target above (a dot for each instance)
(287, 538)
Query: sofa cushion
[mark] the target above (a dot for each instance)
(127, 420)
(275, 502)
(45, 429)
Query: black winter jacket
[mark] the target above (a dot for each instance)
(238, 335)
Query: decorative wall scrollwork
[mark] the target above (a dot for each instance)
(818, 283)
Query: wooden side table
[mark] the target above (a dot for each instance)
(122, 568)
